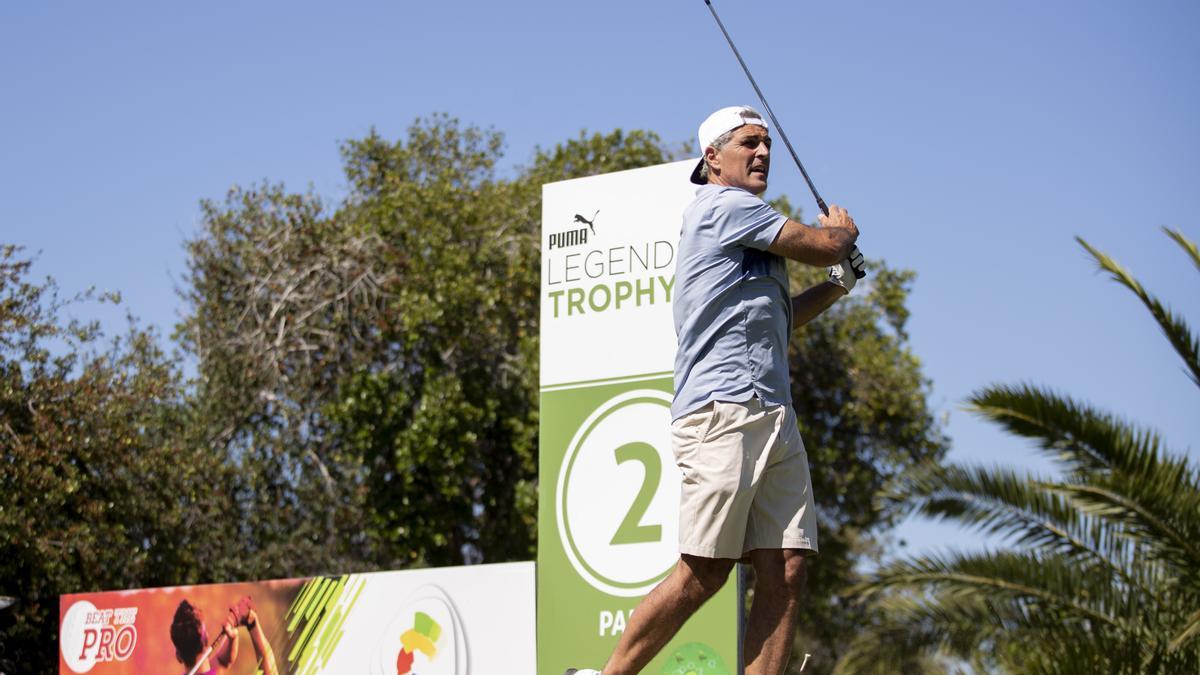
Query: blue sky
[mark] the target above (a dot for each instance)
(971, 141)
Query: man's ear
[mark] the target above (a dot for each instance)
(713, 158)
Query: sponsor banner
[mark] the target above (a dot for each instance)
(608, 511)
(445, 621)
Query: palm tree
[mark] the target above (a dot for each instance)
(1103, 573)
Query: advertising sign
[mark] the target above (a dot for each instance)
(608, 511)
(445, 621)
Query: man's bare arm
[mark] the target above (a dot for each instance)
(823, 246)
(262, 648)
(228, 651)
(842, 278)
(808, 305)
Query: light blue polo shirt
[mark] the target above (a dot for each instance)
(732, 305)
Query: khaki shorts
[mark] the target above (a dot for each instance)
(745, 481)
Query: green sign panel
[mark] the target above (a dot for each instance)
(609, 487)
(608, 531)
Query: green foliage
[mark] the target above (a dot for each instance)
(278, 294)
(444, 416)
(597, 154)
(374, 367)
(1105, 576)
(99, 491)
(1173, 326)
(446, 419)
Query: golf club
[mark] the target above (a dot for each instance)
(767, 106)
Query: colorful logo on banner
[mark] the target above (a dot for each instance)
(386, 623)
(421, 633)
(609, 508)
(422, 637)
(425, 635)
(89, 635)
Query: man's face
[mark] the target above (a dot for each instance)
(744, 161)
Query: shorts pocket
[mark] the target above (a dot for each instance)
(693, 427)
(710, 422)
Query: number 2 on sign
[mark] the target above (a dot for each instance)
(631, 531)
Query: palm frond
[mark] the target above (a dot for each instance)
(1019, 583)
(1190, 631)
(1001, 635)
(1162, 535)
(1186, 244)
(998, 501)
(1085, 439)
(1173, 326)
(1100, 449)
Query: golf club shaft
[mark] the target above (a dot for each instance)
(206, 653)
(767, 106)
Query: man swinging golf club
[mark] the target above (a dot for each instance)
(746, 492)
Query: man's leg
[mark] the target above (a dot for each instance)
(665, 609)
(779, 583)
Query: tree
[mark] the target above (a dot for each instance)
(374, 368)
(444, 414)
(446, 419)
(100, 490)
(282, 298)
(1105, 576)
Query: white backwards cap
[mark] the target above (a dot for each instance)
(721, 122)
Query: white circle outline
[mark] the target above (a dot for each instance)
(559, 512)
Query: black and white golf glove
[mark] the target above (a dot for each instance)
(849, 271)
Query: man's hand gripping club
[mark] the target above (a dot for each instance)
(819, 246)
(839, 218)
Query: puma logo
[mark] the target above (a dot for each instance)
(580, 219)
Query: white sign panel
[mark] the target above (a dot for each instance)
(608, 272)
